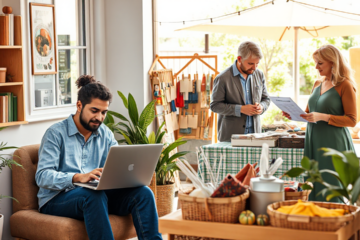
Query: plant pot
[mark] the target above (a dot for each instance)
(2, 75)
(1, 225)
(165, 198)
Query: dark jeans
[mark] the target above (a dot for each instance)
(94, 206)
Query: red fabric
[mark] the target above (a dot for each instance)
(179, 101)
(245, 174)
(229, 187)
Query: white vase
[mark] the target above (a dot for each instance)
(1, 225)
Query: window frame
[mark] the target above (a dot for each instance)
(59, 111)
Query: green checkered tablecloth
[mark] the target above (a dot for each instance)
(238, 157)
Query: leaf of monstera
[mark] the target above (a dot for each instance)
(133, 110)
(147, 116)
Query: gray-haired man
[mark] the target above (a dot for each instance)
(239, 95)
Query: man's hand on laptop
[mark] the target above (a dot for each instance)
(86, 177)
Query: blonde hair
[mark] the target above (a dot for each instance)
(341, 69)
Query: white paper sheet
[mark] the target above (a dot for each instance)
(286, 104)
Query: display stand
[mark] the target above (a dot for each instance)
(206, 118)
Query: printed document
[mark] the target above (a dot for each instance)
(286, 104)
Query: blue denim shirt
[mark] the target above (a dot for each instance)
(246, 84)
(63, 153)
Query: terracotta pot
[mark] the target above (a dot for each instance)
(2, 75)
(1, 225)
(165, 198)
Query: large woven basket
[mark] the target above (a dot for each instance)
(225, 210)
(278, 219)
(165, 198)
(303, 195)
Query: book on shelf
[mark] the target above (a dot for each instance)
(15, 103)
(7, 29)
(7, 107)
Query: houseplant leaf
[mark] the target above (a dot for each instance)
(126, 137)
(118, 115)
(133, 110)
(353, 162)
(151, 138)
(159, 139)
(305, 163)
(342, 168)
(147, 116)
(110, 118)
(159, 130)
(355, 192)
(294, 172)
(123, 98)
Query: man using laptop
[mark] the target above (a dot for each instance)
(74, 151)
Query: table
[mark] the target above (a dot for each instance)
(238, 157)
(173, 224)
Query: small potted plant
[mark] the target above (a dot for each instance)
(165, 170)
(6, 160)
(346, 165)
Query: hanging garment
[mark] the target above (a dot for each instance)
(179, 101)
(175, 121)
(172, 106)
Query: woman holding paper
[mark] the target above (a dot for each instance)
(331, 109)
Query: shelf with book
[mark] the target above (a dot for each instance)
(8, 124)
(12, 91)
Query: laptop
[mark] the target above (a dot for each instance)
(127, 166)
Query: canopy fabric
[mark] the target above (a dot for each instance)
(276, 22)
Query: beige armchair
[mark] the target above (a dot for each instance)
(26, 221)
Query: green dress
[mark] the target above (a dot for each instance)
(321, 134)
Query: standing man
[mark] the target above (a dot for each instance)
(239, 95)
(74, 151)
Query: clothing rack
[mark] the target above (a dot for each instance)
(206, 118)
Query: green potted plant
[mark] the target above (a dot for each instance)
(134, 132)
(6, 160)
(346, 165)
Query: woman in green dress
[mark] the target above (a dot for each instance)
(331, 109)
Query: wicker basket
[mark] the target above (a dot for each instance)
(278, 219)
(303, 195)
(226, 210)
(165, 198)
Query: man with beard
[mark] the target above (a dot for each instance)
(239, 95)
(74, 151)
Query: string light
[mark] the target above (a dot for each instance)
(247, 9)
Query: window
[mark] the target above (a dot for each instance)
(59, 91)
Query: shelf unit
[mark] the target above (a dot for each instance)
(11, 59)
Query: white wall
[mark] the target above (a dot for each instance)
(122, 54)
(129, 53)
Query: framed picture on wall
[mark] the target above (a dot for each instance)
(43, 39)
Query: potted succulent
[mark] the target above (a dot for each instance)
(134, 132)
(346, 165)
(6, 160)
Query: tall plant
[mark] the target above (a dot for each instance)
(6, 160)
(347, 172)
(134, 132)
